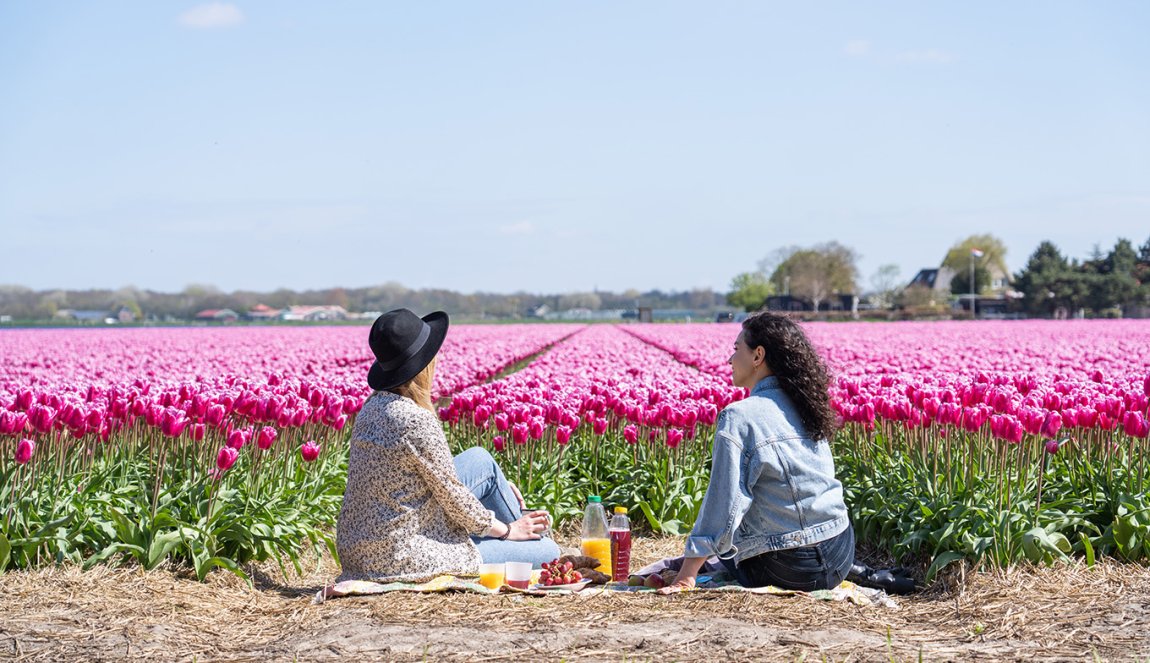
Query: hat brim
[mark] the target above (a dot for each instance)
(381, 380)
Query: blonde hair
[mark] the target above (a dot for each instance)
(418, 388)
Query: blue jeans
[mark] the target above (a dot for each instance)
(820, 566)
(478, 471)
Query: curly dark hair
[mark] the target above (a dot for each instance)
(801, 373)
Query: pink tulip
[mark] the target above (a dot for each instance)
(24, 451)
(215, 415)
(266, 437)
(198, 431)
(172, 423)
(1052, 424)
(519, 433)
(41, 417)
(631, 434)
(497, 442)
(226, 458)
(237, 439)
(1135, 425)
(309, 451)
(563, 434)
(12, 423)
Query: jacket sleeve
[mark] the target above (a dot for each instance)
(726, 500)
(433, 462)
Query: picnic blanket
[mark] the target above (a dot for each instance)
(718, 582)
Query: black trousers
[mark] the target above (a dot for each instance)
(822, 565)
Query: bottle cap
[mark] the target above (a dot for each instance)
(621, 509)
(594, 498)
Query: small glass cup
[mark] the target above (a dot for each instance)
(491, 575)
(543, 510)
(518, 574)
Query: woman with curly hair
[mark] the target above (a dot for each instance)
(774, 511)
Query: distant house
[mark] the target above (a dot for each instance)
(314, 313)
(217, 315)
(125, 315)
(935, 288)
(936, 280)
(939, 280)
(263, 312)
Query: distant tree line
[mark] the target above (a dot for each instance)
(1107, 284)
(25, 304)
(1113, 283)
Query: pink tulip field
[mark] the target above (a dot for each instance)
(991, 441)
(213, 446)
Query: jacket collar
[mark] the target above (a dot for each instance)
(769, 382)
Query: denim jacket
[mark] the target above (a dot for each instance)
(771, 487)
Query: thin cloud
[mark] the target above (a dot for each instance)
(521, 228)
(857, 48)
(212, 15)
(930, 56)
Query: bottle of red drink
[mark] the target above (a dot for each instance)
(620, 534)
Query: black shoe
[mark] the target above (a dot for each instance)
(892, 581)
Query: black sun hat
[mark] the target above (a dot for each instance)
(403, 344)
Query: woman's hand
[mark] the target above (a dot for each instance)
(682, 583)
(686, 578)
(528, 528)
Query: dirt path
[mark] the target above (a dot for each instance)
(1067, 613)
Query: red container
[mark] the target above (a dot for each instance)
(518, 584)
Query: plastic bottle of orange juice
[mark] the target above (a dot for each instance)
(596, 542)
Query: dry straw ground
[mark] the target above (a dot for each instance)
(1063, 613)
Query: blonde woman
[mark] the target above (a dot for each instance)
(410, 510)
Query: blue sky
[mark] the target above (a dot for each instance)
(560, 146)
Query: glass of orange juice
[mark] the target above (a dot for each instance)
(491, 575)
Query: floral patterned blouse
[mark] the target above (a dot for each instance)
(405, 514)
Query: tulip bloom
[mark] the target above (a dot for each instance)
(236, 439)
(266, 436)
(497, 442)
(215, 415)
(24, 451)
(226, 458)
(1134, 425)
(173, 425)
(1052, 424)
(631, 434)
(563, 434)
(309, 451)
